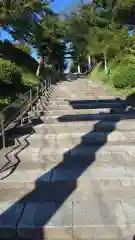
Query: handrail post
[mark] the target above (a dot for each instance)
(21, 117)
(37, 91)
(2, 130)
(45, 92)
(49, 81)
(37, 109)
(31, 100)
(42, 88)
(52, 77)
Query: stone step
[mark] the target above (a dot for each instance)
(48, 158)
(58, 103)
(90, 138)
(97, 218)
(59, 113)
(102, 219)
(73, 112)
(70, 140)
(87, 155)
(88, 117)
(55, 107)
(55, 98)
(84, 104)
(67, 190)
(64, 183)
(63, 107)
(20, 157)
(86, 172)
(91, 99)
(108, 162)
(70, 127)
(23, 179)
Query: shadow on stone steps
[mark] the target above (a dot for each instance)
(29, 219)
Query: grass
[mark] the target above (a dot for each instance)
(99, 75)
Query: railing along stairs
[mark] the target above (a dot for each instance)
(18, 111)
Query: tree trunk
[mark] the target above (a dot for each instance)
(42, 60)
(106, 67)
(89, 60)
(38, 71)
(79, 68)
(41, 64)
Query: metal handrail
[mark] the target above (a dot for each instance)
(25, 102)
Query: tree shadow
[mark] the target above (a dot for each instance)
(28, 216)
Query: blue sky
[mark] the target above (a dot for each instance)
(57, 6)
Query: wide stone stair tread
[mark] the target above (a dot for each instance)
(70, 127)
(88, 105)
(60, 191)
(47, 161)
(102, 111)
(83, 138)
(86, 150)
(69, 171)
(89, 117)
(99, 101)
(96, 218)
(31, 154)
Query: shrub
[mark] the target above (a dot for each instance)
(131, 95)
(125, 76)
(7, 70)
(19, 57)
(3, 103)
(29, 79)
(23, 47)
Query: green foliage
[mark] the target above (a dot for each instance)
(48, 38)
(3, 103)
(97, 30)
(33, 24)
(20, 17)
(121, 76)
(29, 80)
(98, 73)
(23, 47)
(19, 57)
(14, 81)
(7, 70)
(131, 92)
(131, 97)
(125, 76)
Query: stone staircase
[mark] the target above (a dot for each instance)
(73, 175)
